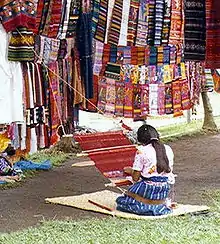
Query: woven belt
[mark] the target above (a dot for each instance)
(144, 200)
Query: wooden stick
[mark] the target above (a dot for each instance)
(100, 205)
(109, 148)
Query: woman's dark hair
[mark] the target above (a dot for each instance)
(147, 134)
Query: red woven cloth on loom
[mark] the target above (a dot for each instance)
(102, 140)
(111, 161)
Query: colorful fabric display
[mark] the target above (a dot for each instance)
(142, 27)
(110, 96)
(21, 45)
(177, 22)
(151, 22)
(128, 102)
(209, 84)
(73, 18)
(212, 34)
(119, 99)
(153, 99)
(166, 23)
(99, 46)
(100, 18)
(177, 104)
(195, 30)
(137, 102)
(185, 95)
(168, 98)
(161, 99)
(159, 16)
(18, 13)
(124, 23)
(132, 22)
(144, 100)
(102, 94)
(115, 25)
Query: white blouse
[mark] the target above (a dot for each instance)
(146, 160)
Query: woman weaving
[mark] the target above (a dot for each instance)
(152, 174)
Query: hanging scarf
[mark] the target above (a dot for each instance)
(119, 99)
(144, 100)
(166, 22)
(159, 18)
(73, 18)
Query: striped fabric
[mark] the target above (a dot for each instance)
(166, 22)
(101, 20)
(132, 22)
(21, 45)
(145, 100)
(115, 25)
(151, 23)
(142, 28)
(73, 17)
(195, 30)
(159, 15)
(153, 189)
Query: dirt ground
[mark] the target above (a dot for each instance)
(197, 164)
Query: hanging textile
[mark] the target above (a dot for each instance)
(128, 100)
(216, 80)
(185, 95)
(151, 23)
(84, 43)
(119, 99)
(137, 102)
(17, 13)
(99, 19)
(166, 22)
(115, 24)
(177, 22)
(168, 98)
(102, 95)
(142, 27)
(132, 22)
(144, 100)
(159, 18)
(11, 83)
(124, 23)
(195, 30)
(212, 34)
(21, 45)
(73, 18)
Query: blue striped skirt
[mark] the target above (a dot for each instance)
(154, 188)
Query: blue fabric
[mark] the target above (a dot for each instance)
(2, 182)
(155, 189)
(28, 165)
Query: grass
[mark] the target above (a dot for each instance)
(201, 229)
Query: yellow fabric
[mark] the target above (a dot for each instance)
(3, 142)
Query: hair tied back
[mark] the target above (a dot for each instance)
(154, 139)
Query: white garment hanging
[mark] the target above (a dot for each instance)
(11, 85)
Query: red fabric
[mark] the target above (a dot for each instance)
(102, 140)
(114, 159)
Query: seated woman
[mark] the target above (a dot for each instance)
(6, 167)
(152, 174)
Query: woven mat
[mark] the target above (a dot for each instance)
(107, 198)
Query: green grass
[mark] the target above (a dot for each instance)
(194, 128)
(201, 229)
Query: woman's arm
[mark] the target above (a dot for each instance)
(134, 173)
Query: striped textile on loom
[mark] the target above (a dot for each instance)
(195, 30)
(213, 34)
(115, 25)
(98, 140)
(132, 22)
(111, 161)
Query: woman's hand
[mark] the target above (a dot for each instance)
(128, 170)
